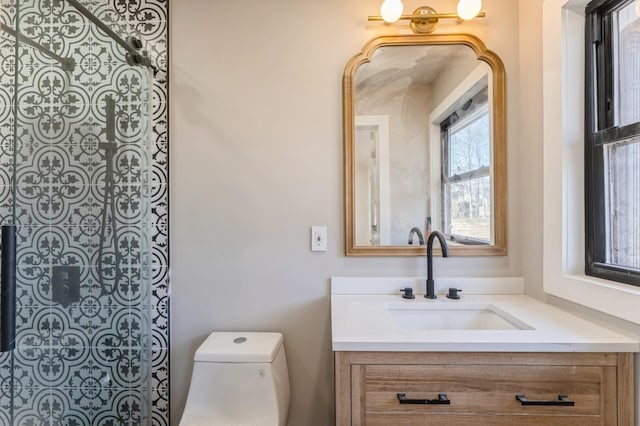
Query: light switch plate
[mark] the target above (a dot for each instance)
(318, 238)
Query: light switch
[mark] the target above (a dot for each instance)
(318, 238)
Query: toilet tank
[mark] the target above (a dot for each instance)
(239, 379)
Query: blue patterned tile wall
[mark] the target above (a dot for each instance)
(86, 362)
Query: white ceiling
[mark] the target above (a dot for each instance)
(422, 64)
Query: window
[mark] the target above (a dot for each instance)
(466, 172)
(612, 141)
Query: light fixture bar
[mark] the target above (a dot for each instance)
(428, 16)
(425, 19)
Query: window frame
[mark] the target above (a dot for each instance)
(600, 131)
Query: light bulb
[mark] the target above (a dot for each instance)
(469, 9)
(391, 10)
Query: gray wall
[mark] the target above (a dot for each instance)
(256, 159)
(530, 138)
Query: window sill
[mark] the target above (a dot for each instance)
(618, 300)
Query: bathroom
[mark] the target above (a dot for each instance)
(272, 167)
(254, 103)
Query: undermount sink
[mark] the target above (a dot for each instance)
(454, 316)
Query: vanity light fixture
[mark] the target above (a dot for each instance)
(424, 19)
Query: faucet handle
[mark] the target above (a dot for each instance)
(407, 293)
(453, 293)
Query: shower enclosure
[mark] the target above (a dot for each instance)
(74, 185)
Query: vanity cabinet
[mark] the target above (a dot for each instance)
(460, 388)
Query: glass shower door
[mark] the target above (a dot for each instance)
(75, 181)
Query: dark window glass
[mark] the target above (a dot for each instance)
(612, 141)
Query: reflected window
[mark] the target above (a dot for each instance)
(466, 172)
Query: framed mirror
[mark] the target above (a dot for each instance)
(424, 146)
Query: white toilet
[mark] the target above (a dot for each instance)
(239, 379)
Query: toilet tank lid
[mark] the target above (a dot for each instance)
(239, 347)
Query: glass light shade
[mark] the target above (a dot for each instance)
(391, 10)
(469, 9)
(638, 7)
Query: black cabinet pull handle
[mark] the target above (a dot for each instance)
(562, 401)
(8, 289)
(442, 400)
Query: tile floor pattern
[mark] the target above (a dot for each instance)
(85, 363)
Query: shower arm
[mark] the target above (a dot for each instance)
(134, 57)
(67, 63)
(133, 52)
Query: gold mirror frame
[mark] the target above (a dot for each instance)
(499, 248)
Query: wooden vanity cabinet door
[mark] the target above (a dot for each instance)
(483, 394)
(482, 388)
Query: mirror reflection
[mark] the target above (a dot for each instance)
(425, 147)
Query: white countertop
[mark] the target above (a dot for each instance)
(362, 322)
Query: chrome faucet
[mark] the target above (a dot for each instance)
(416, 231)
(431, 294)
